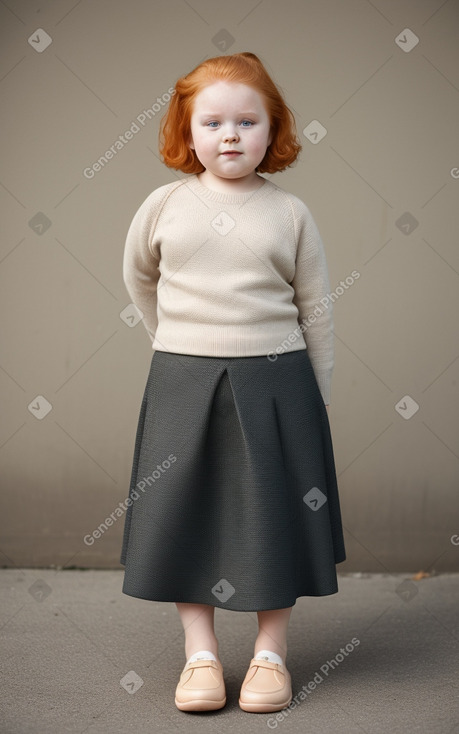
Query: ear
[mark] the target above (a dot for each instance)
(190, 143)
(270, 139)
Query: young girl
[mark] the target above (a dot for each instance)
(234, 499)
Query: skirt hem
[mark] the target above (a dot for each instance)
(233, 608)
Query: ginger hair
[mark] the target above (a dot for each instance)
(240, 68)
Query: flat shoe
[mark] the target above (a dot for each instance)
(201, 686)
(267, 687)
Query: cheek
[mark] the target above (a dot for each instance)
(260, 143)
(204, 143)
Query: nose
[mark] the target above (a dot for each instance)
(230, 134)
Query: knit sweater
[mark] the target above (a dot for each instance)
(231, 274)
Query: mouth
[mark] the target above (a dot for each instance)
(230, 153)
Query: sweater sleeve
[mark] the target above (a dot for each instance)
(312, 298)
(141, 271)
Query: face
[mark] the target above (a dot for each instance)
(229, 116)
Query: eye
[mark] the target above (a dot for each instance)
(244, 123)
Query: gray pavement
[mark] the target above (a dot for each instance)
(69, 637)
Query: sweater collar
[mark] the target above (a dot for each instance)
(227, 198)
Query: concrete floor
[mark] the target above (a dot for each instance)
(69, 637)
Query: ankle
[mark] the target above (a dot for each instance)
(281, 651)
(207, 643)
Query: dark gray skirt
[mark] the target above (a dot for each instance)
(234, 498)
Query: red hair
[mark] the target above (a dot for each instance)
(242, 68)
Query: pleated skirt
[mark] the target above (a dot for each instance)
(233, 494)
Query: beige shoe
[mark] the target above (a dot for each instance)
(267, 687)
(201, 686)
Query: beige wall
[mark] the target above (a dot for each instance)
(390, 153)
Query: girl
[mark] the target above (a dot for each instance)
(234, 499)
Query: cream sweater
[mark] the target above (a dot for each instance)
(230, 274)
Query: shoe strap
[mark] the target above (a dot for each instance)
(202, 664)
(266, 664)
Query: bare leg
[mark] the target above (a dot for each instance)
(198, 625)
(272, 631)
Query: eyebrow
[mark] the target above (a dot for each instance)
(216, 114)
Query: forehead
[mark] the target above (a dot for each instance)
(226, 97)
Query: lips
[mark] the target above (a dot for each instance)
(231, 152)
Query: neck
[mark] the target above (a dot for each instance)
(231, 185)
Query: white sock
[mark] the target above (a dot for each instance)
(273, 657)
(202, 655)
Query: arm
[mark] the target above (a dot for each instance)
(311, 297)
(141, 271)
